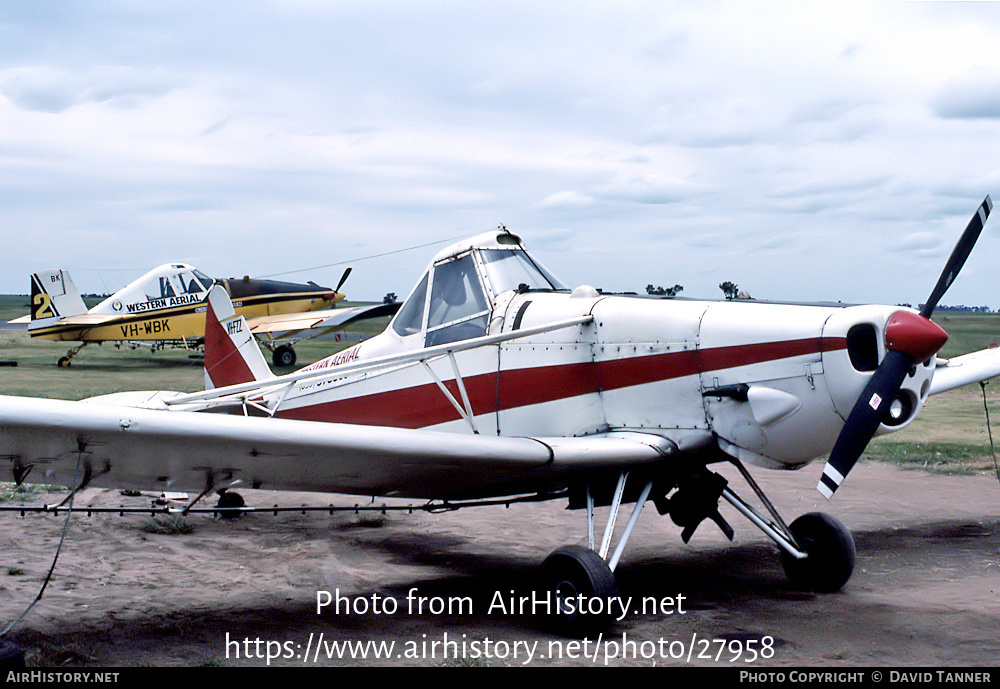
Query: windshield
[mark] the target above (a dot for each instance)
(410, 317)
(189, 283)
(510, 269)
(204, 279)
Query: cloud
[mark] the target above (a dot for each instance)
(566, 200)
(312, 126)
(969, 98)
(733, 133)
(824, 110)
(554, 239)
(776, 243)
(44, 89)
(649, 189)
(923, 244)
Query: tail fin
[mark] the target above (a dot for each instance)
(54, 296)
(231, 352)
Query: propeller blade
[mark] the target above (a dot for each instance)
(958, 256)
(909, 339)
(343, 279)
(864, 420)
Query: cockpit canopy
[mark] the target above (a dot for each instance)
(465, 281)
(175, 280)
(166, 285)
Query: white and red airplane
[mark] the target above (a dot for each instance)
(493, 380)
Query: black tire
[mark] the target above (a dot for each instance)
(571, 575)
(64, 362)
(283, 357)
(229, 500)
(831, 551)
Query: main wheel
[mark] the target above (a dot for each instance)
(830, 549)
(283, 356)
(580, 586)
(229, 500)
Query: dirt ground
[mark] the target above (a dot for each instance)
(230, 593)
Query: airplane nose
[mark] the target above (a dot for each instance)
(912, 334)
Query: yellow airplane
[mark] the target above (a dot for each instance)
(165, 308)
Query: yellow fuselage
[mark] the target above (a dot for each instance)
(184, 322)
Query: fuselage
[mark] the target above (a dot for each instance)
(769, 383)
(167, 304)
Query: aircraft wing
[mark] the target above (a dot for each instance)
(41, 441)
(965, 369)
(282, 325)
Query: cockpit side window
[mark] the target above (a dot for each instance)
(159, 288)
(458, 307)
(456, 292)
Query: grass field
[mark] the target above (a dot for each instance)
(949, 436)
(103, 368)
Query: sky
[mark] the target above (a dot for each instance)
(805, 150)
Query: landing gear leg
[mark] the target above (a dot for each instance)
(580, 581)
(65, 361)
(817, 550)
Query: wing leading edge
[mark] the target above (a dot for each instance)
(965, 369)
(41, 440)
(281, 326)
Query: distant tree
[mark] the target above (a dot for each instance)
(730, 289)
(390, 298)
(664, 291)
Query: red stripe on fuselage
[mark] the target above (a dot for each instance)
(424, 405)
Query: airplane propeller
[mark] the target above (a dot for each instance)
(343, 279)
(909, 339)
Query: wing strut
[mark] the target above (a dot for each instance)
(465, 409)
